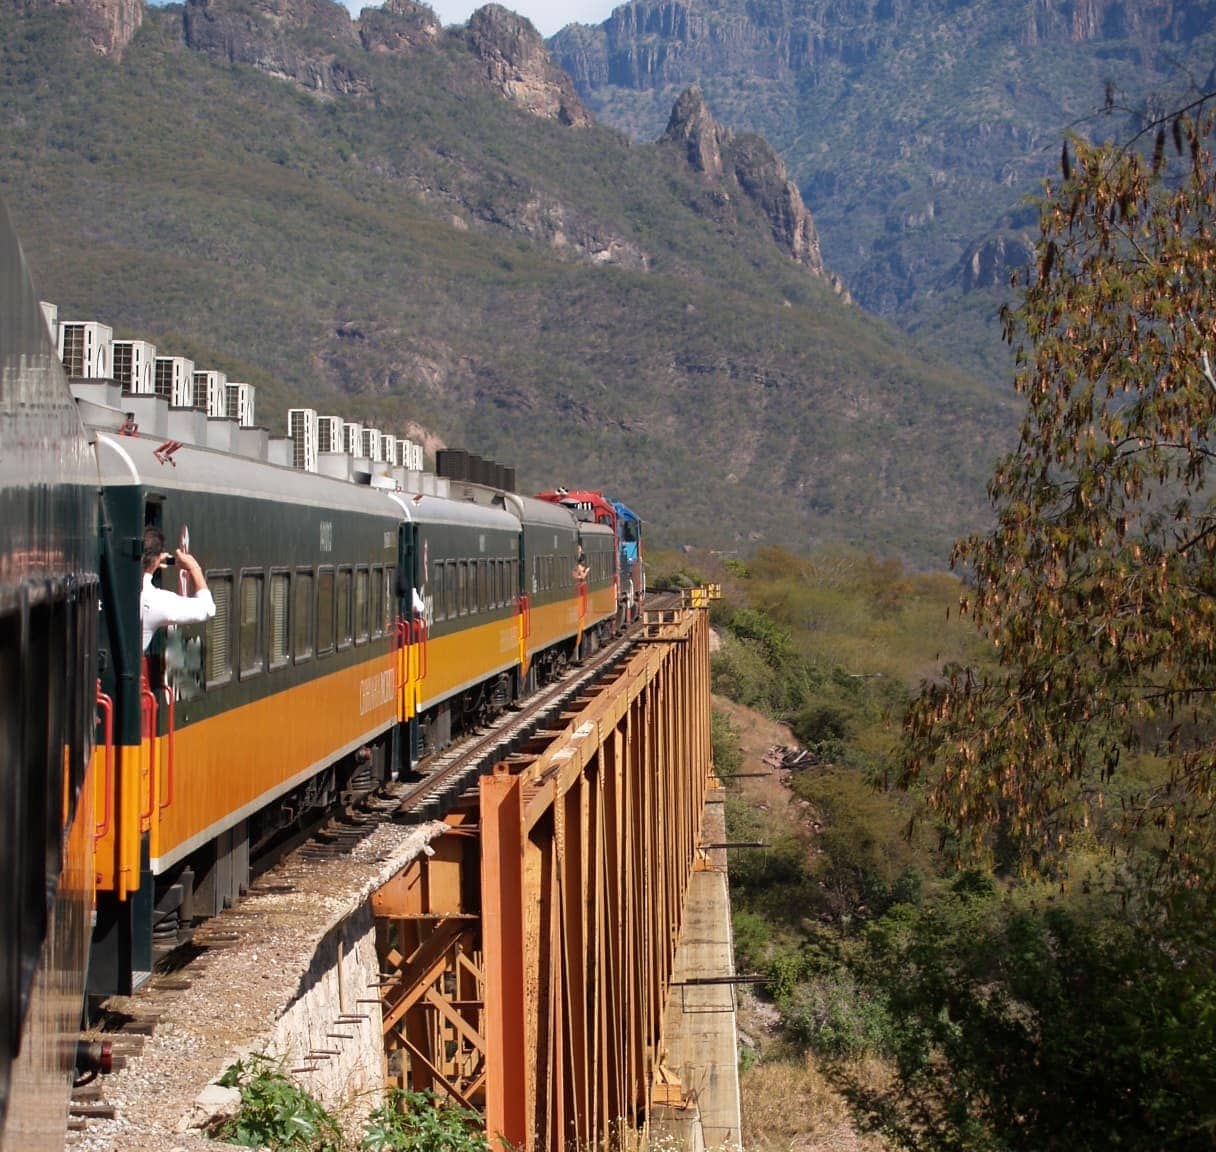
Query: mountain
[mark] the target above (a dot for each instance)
(425, 229)
(913, 128)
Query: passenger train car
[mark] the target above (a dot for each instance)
(593, 508)
(358, 628)
(48, 676)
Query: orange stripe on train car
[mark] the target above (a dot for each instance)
(228, 766)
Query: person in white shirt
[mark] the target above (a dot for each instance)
(159, 606)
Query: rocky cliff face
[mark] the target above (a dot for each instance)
(990, 264)
(652, 43)
(913, 128)
(1148, 23)
(517, 62)
(315, 44)
(108, 24)
(400, 26)
(310, 42)
(746, 167)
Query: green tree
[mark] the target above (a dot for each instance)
(1039, 1025)
(1098, 584)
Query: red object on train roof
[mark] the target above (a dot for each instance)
(586, 505)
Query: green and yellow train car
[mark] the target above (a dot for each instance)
(357, 630)
(229, 731)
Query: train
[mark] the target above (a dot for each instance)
(358, 628)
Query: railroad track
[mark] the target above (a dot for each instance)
(456, 769)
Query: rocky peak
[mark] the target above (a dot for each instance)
(517, 62)
(747, 163)
(695, 131)
(400, 26)
(108, 24)
(266, 34)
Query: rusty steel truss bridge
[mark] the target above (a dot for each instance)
(526, 959)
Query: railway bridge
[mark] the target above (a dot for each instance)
(553, 954)
(527, 959)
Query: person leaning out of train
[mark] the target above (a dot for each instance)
(581, 570)
(159, 606)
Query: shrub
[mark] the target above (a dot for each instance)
(833, 1015)
(275, 1113)
(415, 1122)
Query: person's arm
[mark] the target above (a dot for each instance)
(167, 607)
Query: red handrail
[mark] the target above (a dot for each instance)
(147, 716)
(582, 599)
(172, 726)
(107, 726)
(422, 636)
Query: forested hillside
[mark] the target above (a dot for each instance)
(424, 228)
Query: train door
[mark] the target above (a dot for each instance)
(122, 942)
(412, 633)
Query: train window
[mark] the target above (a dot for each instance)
(342, 612)
(500, 583)
(462, 587)
(219, 631)
(450, 589)
(439, 607)
(375, 611)
(325, 611)
(390, 577)
(280, 619)
(251, 646)
(301, 615)
(361, 605)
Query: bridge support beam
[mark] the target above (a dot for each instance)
(587, 852)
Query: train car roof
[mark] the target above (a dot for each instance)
(592, 528)
(134, 460)
(624, 512)
(422, 509)
(539, 512)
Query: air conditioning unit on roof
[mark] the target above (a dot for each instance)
(85, 349)
(209, 392)
(372, 444)
(135, 366)
(302, 429)
(329, 434)
(238, 403)
(174, 380)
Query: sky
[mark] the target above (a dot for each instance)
(548, 16)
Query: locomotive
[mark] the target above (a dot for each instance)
(358, 628)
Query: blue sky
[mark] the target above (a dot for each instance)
(547, 15)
